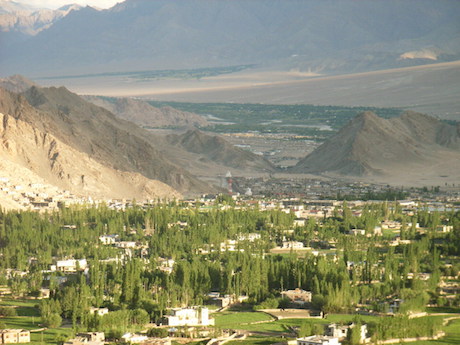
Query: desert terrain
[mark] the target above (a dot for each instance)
(432, 89)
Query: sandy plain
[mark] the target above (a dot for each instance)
(432, 89)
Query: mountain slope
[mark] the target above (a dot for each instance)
(143, 114)
(47, 157)
(372, 146)
(97, 133)
(339, 35)
(215, 149)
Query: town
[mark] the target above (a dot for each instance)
(234, 268)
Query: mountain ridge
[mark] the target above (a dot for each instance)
(333, 36)
(372, 146)
(145, 115)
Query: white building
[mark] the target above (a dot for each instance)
(71, 265)
(251, 237)
(108, 239)
(134, 338)
(341, 331)
(10, 336)
(293, 245)
(318, 340)
(98, 311)
(126, 244)
(189, 317)
(357, 232)
(230, 246)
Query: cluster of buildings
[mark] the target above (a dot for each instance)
(36, 196)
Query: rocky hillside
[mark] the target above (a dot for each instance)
(48, 159)
(212, 148)
(145, 115)
(409, 145)
(102, 146)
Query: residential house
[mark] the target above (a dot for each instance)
(341, 331)
(87, 338)
(297, 296)
(293, 245)
(189, 317)
(12, 336)
(108, 239)
(71, 265)
(251, 237)
(356, 232)
(98, 311)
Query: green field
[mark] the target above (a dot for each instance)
(240, 320)
(28, 317)
(237, 320)
(301, 119)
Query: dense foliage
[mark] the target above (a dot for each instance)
(351, 270)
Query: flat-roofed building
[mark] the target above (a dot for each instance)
(13, 336)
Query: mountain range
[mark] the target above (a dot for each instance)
(327, 36)
(56, 136)
(19, 21)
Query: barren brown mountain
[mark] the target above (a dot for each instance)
(96, 133)
(143, 114)
(59, 164)
(212, 148)
(413, 148)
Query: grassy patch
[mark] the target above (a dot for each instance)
(231, 320)
(51, 336)
(452, 336)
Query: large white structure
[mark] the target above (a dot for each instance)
(189, 317)
(71, 265)
(318, 340)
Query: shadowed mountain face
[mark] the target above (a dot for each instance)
(338, 35)
(369, 145)
(217, 150)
